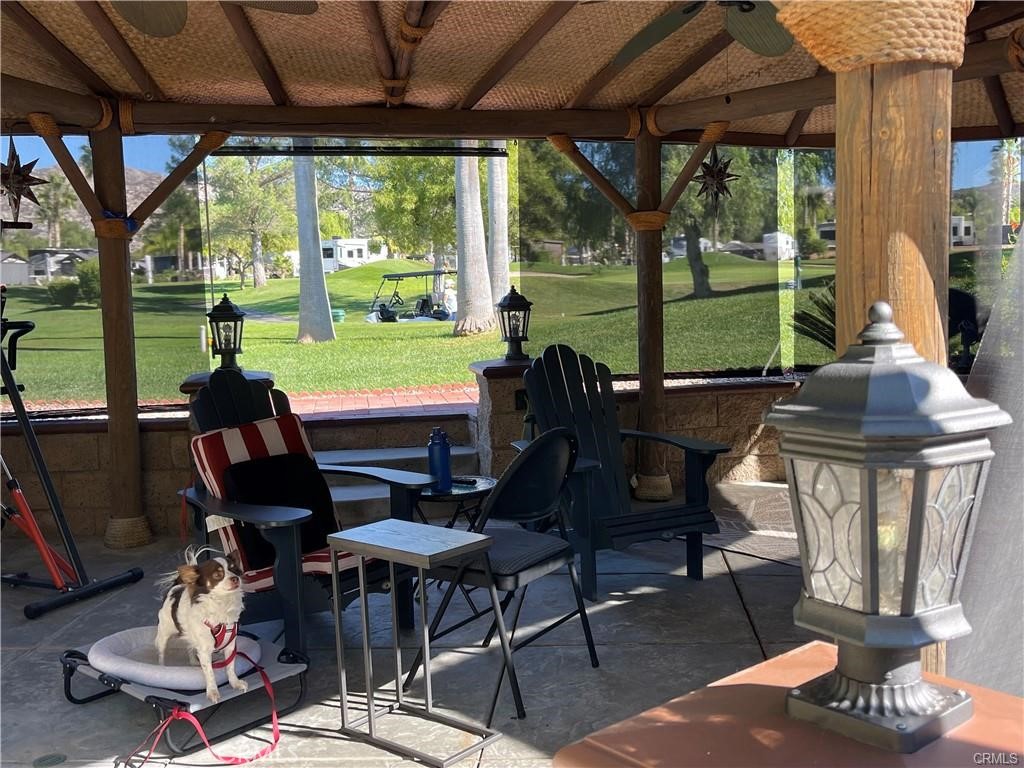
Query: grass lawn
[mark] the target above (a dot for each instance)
(595, 312)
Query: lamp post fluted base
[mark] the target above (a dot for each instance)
(877, 696)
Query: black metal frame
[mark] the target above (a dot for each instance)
(265, 150)
(81, 587)
(164, 707)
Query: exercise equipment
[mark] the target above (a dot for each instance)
(67, 575)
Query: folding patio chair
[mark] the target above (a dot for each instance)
(528, 492)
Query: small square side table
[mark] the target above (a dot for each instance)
(422, 547)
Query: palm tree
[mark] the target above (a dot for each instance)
(497, 210)
(55, 200)
(314, 304)
(476, 309)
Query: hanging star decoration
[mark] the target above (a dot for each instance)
(714, 179)
(17, 181)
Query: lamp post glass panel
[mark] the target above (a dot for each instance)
(886, 456)
(226, 321)
(514, 318)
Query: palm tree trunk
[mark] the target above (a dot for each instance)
(476, 310)
(314, 304)
(181, 247)
(497, 208)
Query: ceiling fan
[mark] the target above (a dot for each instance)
(166, 18)
(752, 24)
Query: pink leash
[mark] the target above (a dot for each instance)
(179, 714)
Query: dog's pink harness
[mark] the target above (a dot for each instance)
(223, 636)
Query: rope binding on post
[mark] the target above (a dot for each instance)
(647, 221)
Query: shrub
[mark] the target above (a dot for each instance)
(63, 291)
(89, 281)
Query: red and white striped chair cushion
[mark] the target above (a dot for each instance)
(215, 451)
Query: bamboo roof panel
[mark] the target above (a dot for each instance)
(22, 57)
(638, 78)
(325, 59)
(738, 68)
(202, 64)
(971, 105)
(821, 120)
(579, 46)
(74, 30)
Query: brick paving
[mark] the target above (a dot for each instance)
(350, 402)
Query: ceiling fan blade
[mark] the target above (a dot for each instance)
(757, 29)
(296, 7)
(156, 18)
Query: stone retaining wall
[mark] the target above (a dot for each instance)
(77, 455)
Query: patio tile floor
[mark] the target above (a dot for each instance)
(659, 635)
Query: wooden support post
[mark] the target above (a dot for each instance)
(45, 127)
(128, 526)
(652, 480)
(206, 144)
(892, 200)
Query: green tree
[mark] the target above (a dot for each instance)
(542, 204)
(56, 200)
(249, 197)
(88, 273)
(414, 203)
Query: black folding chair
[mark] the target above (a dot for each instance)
(528, 492)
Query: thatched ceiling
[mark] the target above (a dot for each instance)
(485, 56)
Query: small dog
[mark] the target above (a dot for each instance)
(202, 606)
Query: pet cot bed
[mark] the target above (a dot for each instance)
(126, 662)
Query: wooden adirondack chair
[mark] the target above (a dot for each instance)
(566, 389)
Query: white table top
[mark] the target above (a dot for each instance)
(415, 544)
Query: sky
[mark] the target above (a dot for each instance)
(151, 153)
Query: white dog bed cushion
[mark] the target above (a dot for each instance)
(131, 655)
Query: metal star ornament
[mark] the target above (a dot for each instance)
(714, 179)
(17, 181)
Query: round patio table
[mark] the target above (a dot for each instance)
(467, 492)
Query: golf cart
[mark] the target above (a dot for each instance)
(430, 306)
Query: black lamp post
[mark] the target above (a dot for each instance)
(226, 322)
(514, 317)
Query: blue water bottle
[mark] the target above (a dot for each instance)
(439, 459)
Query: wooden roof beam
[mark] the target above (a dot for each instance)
(983, 59)
(516, 53)
(994, 15)
(257, 54)
(381, 48)
(568, 147)
(418, 20)
(796, 125)
(655, 32)
(689, 67)
(120, 48)
(996, 94)
(45, 39)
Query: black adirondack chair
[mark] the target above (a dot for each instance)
(566, 389)
(231, 400)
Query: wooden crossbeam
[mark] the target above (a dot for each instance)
(687, 68)
(206, 144)
(257, 54)
(381, 49)
(994, 15)
(711, 135)
(796, 125)
(46, 129)
(655, 32)
(568, 147)
(73, 65)
(120, 48)
(1000, 106)
(419, 18)
(516, 53)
